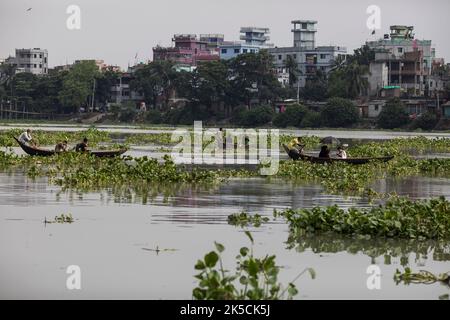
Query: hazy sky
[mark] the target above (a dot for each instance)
(115, 30)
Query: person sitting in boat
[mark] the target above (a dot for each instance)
(341, 153)
(61, 146)
(82, 146)
(26, 137)
(324, 152)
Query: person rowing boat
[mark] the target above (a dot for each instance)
(295, 147)
(26, 138)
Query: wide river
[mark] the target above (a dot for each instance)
(115, 231)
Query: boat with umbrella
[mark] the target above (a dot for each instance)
(329, 141)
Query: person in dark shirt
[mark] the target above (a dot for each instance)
(61, 146)
(324, 152)
(82, 146)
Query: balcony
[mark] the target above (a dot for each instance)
(250, 38)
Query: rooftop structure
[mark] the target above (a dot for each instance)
(255, 36)
(404, 61)
(310, 58)
(30, 60)
(187, 50)
(304, 33)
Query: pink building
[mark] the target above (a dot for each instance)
(188, 50)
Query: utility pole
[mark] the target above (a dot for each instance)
(93, 96)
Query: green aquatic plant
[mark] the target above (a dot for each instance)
(390, 250)
(147, 138)
(62, 218)
(254, 278)
(45, 138)
(422, 276)
(400, 147)
(244, 219)
(398, 218)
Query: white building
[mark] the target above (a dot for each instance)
(408, 62)
(309, 57)
(254, 39)
(30, 60)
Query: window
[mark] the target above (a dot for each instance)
(35, 56)
(280, 57)
(295, 56)
(376, 107)
(304, 26)
(323, 56)
(244, 50)
(40, 66)
(40, 56)
(400, 50)
(224, 51)
(35, 65)
(237, 50)
(252, 50)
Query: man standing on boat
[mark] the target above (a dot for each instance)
(26, 137)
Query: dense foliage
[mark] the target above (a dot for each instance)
(399, 217)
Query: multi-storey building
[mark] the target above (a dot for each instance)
(254, 39)
(30, 60)
(309, 57)
(401, 61)
(188, 50)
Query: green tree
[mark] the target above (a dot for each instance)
(251, 76)
(155, 81)
(426, 121)
(339, 113)
(292, 66)
(104, 82)
(78, 85)
(393, 115)
(291, 117)
(257, 116)
(209, 85)
(315, 88)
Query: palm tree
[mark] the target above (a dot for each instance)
(357, 81)
(293, 70)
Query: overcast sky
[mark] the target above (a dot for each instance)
(115, 30)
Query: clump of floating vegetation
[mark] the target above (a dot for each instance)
(423, 276)
(62, 218)
(399, 218)
(244, 219)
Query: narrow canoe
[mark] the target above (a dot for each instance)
(35, 151)
(295, 156)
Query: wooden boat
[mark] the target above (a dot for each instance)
(35, 151)
(296, 156)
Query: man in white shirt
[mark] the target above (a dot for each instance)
(26, 137)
